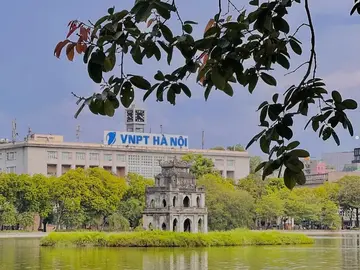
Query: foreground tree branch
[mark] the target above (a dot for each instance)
(238, 47)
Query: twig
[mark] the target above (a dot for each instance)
(312, 51)
(219, 13)
(122, 64)
(178, 15)
(296, 69)
(235, 8)
(297, 30)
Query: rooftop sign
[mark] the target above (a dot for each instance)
(146, 139)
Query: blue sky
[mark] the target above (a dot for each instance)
(36, 86)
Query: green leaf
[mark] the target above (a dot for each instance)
(300, 178)
(336, 96)
(228, 90)
(299, 153)
(148, 92)
(171, 95)
(166, 6)
(95, 71)
(88, 53)
(190, 22)
(168, 35)
(262, 105)
(120, 15)
(268, 79)
(109, 108)
(284, 131)
(111, 10)
(260, 166)
(217, 79)
(254, 2)
(281, 25)
(185, 89)
(163, 11)
(292, 145)
(187, 28)
(335, 136)
(159, 76)
(350, 104)
(253, 79)
(283, 61)
(289, 179)
(127, 94)
(265, 144)
(295, 47)
(140, 82)
(109, 62)
(101, 20)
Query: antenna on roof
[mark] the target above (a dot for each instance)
(78, 133)
(28, 133)
(13, 131)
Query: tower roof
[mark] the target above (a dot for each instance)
(175, 163)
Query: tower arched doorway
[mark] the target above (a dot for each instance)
(187, 225)
(163, 226)
(186, 201)
(175, 222)
(200, 225)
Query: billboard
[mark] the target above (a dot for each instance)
(146, 139)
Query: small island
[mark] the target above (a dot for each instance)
(175, 216)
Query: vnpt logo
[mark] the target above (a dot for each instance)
(111, 138)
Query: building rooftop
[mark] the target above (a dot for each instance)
(56, 141)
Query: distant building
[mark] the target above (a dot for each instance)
(121, 153)
(338, 159)
(175, 203)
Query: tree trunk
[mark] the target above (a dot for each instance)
(40, 224)
(357, 218)
(44, 226)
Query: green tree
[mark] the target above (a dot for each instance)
(239, 47)
(200, 165)
(349, 198)
(270, 207)
(255, 161)
(221, 148)
(228, 207)
(236, 147)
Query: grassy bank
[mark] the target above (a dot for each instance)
(173, 239)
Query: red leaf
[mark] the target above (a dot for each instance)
(59, 47)
(150, 22)
(209, 25)
(79, 47)
(84, 33)
(70, 52)
(73, 28)
(206, 57)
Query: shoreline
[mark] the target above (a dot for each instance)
(7, 235)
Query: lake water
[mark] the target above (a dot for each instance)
(337, 251)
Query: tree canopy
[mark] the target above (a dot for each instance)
(239, 47)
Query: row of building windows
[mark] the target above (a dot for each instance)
(10, 169)
(9, 156)
(82, 156)
(221, 162)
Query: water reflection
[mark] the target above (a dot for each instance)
(341, 251)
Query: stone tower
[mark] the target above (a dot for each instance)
(175, 203)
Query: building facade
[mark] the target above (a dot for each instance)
(50, 155)
(175, 203)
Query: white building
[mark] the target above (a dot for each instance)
(50, 155)
(121, 153)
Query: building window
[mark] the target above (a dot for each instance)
(51, 169)
(231, 162)
(52, 155)
(11, 169)
(219, 162)
(120, 157)
(11, 156)
(94, 156)
(80, 156)
(1, 156)
(108, 157)
(66, 155)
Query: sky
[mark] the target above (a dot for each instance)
(36, 86)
